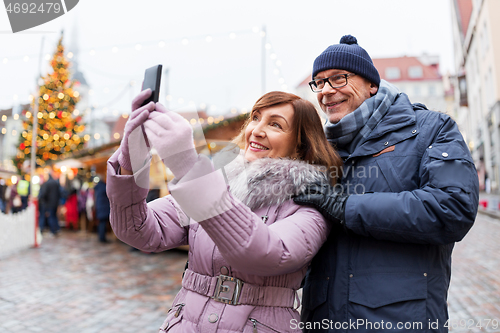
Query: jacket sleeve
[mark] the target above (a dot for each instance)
(247, 243)
(152, 227)
(440, 211)
(41, 194)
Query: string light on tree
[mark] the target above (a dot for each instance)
(58, 126)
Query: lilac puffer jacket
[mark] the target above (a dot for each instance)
(248, 248)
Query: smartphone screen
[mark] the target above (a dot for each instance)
(152, 78)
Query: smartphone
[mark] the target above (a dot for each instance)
(152, 78)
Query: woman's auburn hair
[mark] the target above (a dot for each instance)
(312, 146)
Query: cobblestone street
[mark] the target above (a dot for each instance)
(73, 283)
(474, 295)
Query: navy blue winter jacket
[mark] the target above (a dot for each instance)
(389, 268)
(102, 207)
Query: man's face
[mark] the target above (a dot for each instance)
(337, 103)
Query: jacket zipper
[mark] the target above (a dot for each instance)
(265, 217)
(255, 322)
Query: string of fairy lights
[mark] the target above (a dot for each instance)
(180, 101)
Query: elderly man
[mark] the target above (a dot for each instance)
(409, 191)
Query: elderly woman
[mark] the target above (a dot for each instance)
(249, 243)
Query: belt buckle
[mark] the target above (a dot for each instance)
(227, 290)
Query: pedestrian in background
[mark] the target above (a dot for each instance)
(23, 190)
(409, 191)
(15, 201)
(89, 203)
(81, 204)
(102, 208)
(3, 199)
(48, 199)
(71, 206)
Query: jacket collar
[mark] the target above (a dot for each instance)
(270, 181)
(397, 125)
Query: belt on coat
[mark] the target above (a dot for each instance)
(233, 291)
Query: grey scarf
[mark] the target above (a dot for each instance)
(357, 125)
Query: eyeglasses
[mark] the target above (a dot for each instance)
(336, 81)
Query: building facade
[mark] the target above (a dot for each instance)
(418, 77)
(476, 35)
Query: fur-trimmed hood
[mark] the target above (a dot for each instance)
(269, 181)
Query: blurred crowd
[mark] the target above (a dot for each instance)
(14, 196)
(63, 199)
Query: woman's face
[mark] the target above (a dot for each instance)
(269, 133)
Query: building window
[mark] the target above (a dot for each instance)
(432, 90)
(490, 95)
(484, 39)
(477, 61)
(462, 86)
(392, 73)
(415, 72)
(471, 69)
(416, 90)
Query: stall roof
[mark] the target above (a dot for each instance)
(7, 173)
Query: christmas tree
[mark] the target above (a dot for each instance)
(59, 125)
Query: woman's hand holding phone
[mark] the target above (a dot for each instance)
(172, 137)
(138, 116)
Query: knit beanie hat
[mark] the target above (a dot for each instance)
(347, 55)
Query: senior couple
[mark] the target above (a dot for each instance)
(368, 260)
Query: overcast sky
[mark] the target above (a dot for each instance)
(213, 49)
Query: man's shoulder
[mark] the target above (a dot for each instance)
(421, 111)
(427, 117)
(52, 182)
